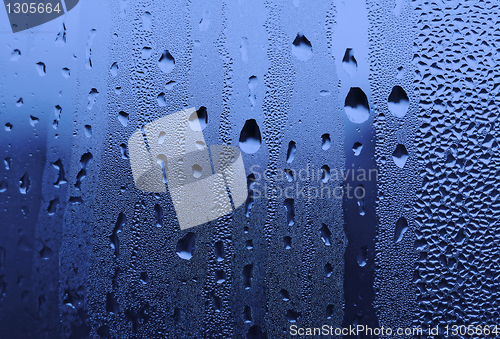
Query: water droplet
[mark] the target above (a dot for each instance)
(284, 295)
(197, 171)
(3, 186)
(146, 21)
(158, 215)
(7, 163)
(15, 55)
(166, 63)
(400, 155)
(326, 142)
(250, 138)
(40, 67)
(290, 154)
(24, 183)
(398, 102)
(88, 131)
(54, 203)
(362, 256)
(123, 118)
(8, 126)
(185, 246)
(302, 48)
(92, 98)
(123, 151)
(84, 161)
(287, 242)
(290, 211)
(292, 316)
(58, 165)
(247, 314)
(220, 276)
(144, 278)
(325, 173)
(198, 120)
(170, 85)
(146, 52)
(114, 240)
(33, 120)
(349, 63)
(356, 106)
(219, 251)
(65, 72)
(249, 244)
(401, 228)
(46, 253)
(252, 86)
(328, 270)
(247, 276)
(326, 235)
(114, 69)
(161, 100)
(356, 148)
(61, 36)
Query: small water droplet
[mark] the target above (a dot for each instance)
(185, 246)
(290, 154)
(40, 67)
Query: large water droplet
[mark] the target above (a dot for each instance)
(356, 106)
(398, 102)
(302, 48)
(166, 62)
(199, 119)
(250, 139)
(400, 155)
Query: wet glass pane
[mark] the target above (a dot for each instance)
(249, 169)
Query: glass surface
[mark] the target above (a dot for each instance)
(361, 188)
